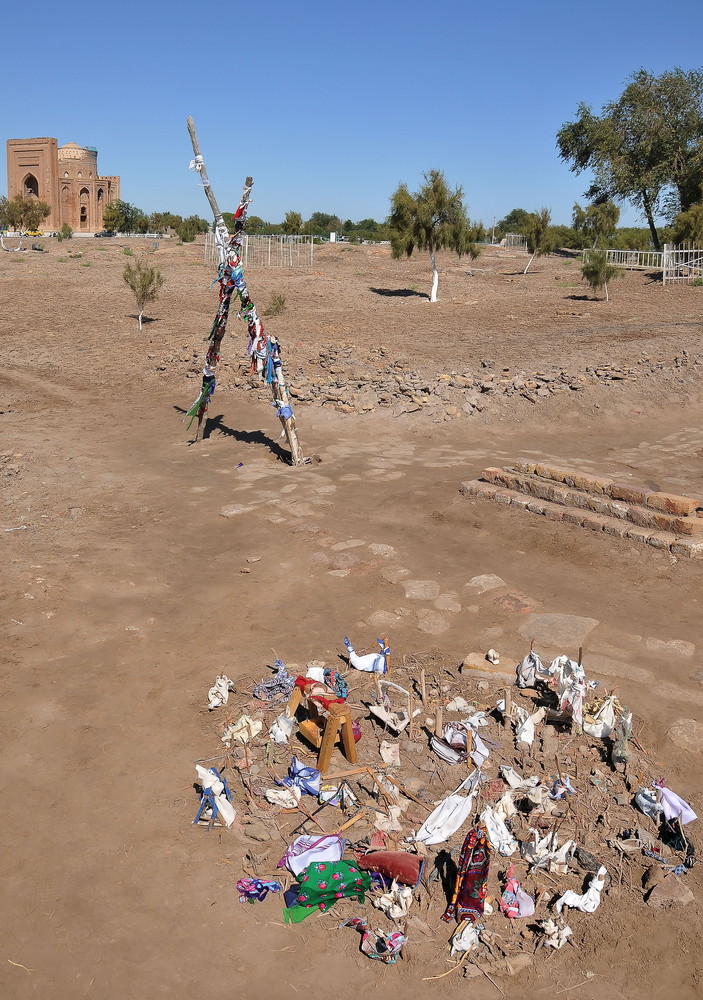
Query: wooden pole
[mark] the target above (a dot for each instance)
(228, 251)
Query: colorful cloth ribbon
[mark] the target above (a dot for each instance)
(382, 947)
(278, 688)
(253, 890)
(307, 779)
(321, 884)
(467, 901)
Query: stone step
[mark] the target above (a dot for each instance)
(666, 503)
(620, 502)
(690, 547)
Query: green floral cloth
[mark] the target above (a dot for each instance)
(323, 883)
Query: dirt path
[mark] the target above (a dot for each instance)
(125, 591)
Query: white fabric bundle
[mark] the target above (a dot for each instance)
(450, 814)
(500, 837)
(218, 695)
(590, 900)
(210, 780)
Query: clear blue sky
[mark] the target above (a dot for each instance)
(328, 105)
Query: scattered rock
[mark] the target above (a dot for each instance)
(671, 891)
(486, 582)
(256, 831)
(394, 574)
(431, 622)
(687, 734)
(555, 630)
(421, 590)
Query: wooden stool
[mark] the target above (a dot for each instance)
(323, 731)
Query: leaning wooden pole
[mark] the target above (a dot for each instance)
(265, 351)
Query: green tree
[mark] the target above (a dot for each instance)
(190, 228)
(596, 222)
(145, 282)
(64, 233)
(293, 223)
(20, 213)
(688, 226)
(646, 145)
(598, 272)
(432, 219)
(539, 236)
(514, 222)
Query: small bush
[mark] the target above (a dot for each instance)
(128, 252)
(145, 282)
(64, 233)
(276, 305)
(698, 282)
(86, 263)
(598, 272)
(62, 260)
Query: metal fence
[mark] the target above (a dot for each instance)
(268, 251)
(635, 260)
(514, 240)
(682, 263)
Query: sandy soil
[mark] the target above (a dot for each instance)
(124, 592)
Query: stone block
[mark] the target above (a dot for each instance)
(669, 503)
(526, 467)
(542, 489)
(475, 489)
(595, 522)
(549, 472)
(661, 539)
(630, 494)
(573, 516)
(642, 517)
(476, 665)
(520, 500)
(688, 525)
(614, 527)
(492, 474)
(589, 484)
(599, 505)
(687, 734)
(553, 512)
(619, 510)
(561, 495)
(485, 582)
(503, 496)
(638, 534)
(664, 522)
(512, 480)
(690, 548)
(536, 507)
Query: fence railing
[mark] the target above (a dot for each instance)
(677, 263)
(682, 263)
(268, 251)
(635, 260)
(514, 240)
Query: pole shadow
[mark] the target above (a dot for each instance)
(212, 424)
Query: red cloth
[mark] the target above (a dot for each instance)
(400, 865)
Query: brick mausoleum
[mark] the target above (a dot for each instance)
(66, 177)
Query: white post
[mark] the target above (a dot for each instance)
(435, 277)
(665, 259)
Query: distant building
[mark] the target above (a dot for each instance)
(66, 177)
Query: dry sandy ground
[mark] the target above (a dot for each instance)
(123, 595)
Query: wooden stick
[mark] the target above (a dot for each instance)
(408, 794)
(438, 722)
(352, 821)
(453, 969)
(423, 689)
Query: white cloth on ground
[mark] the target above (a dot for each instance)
(590, 900)
(509, 775)
(218, 695)
(673, 805)
(500, 837)
(282, 728)
(210, 780)
(528, 669)
(555, 936)
(396, 902)
(286, 798)
(603, 721)
(465, 939)
(450, 814)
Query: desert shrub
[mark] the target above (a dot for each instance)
(277, 304)
(128, 252)
(598, 272)
(64, 233)
(145, 282)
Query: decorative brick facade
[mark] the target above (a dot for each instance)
(66, 177)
